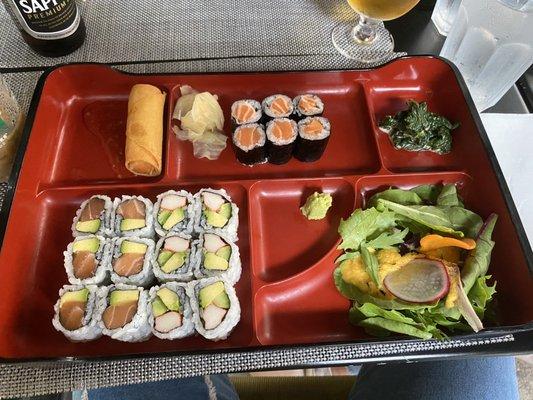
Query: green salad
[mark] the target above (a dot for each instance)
(415, 262)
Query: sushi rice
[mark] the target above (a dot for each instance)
(143, 278)
(231, 275)
(91, 328)
(147, 231)
(231, 318)
(105, 218)
(201, 225)
(103, 255)
(183, 273)
(187, 324)
(185, 226)
(139, 328)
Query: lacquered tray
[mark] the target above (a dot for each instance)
(75, 141)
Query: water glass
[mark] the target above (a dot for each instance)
(444, 14)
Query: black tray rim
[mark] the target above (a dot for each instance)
(525, 330)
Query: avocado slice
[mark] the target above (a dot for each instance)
(212, 261)
(176, 216)
(222, 301)
(215, 219)
(133, 247)
(174, 262)
(164, 255)
(90, 244)
(224, 252)
(225, 210)
(210, 292)
(169, 298)
(119, 297)
(162, 216)
(91, 226)
(76, 295)
(158, 307)
(130, 224)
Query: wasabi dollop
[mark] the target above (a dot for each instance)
(317, 205)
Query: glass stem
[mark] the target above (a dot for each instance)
(365, 31)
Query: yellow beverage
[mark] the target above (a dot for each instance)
(383, 10)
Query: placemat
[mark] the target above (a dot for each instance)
(132, 31)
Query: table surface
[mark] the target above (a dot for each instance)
(291, 35)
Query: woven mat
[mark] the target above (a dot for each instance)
(132, 31)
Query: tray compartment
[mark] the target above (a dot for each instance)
(29, 287)
(283, 241)
(344, 106)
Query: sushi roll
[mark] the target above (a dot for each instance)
(249, 143)
(131, 261)
(170, 312)
(216, 212)
(132, 216)
(86, 260)
(215, 306)
(76, 314)
(173, 212)
(281, 134)
(93, 217)
(308, 105)
(216, 256)
(172, 258)
(124, 313)
(313, 136)
(277, 106)
(245, 112)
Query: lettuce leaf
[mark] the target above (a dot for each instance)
(428, 193)
(481, 294)
(371, 265)
(399, 196)
(448, 196)
(362, 224)
(386, 239)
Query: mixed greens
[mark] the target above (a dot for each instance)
(415, 262)
(418, 129)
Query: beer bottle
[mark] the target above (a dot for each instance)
(51, 27)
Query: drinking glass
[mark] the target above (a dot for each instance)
(491, 42)
(444, 14)
(368, 41)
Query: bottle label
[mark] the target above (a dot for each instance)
(47, 19)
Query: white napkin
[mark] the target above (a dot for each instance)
(511, 136)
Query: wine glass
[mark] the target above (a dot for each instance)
(368, 41)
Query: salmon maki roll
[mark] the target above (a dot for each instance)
(131, 261)
(308, 105)
(93, 217)
(278, 106)
(245, 112)
(249, 143)
(132, 216)
(281, 136)
(313, 136)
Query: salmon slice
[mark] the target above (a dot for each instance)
(243, 113)
(280, 106)
(308, 104)
(117, 316)
(313, 128)
(92, 209)
(71, 315)
(83, 264)
(248, 136)
(132, 209)
(282, 130)
(129, 264)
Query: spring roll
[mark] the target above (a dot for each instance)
(144, 130)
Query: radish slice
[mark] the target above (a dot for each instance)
(173, 201)
(213, 316)
(213, 242)
(167, 322)
(213, 201)
(419, 281)
(176, 244)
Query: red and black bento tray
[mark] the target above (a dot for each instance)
(74, 148)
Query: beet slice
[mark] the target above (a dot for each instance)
(419, 281)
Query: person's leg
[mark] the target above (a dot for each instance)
(198, 388)
(491, 378)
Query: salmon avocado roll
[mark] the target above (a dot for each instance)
(93, 216)
(281, 134)
(278, 106)
(249, 143)
(308, 105)
(132, 216)
(313, 136)
(245, 112)
(85, 260)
